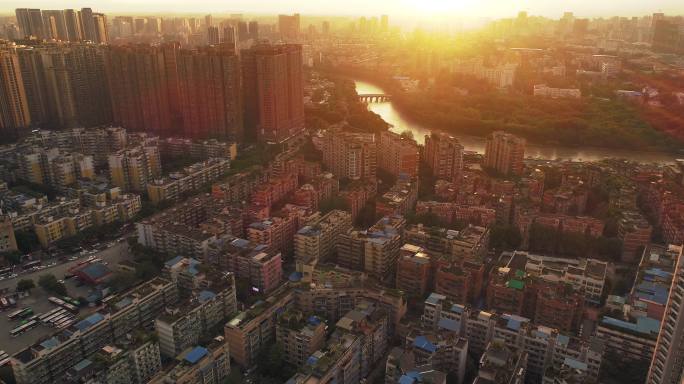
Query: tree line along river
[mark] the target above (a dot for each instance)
(399, 123)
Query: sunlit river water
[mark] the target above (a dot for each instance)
(471, 143)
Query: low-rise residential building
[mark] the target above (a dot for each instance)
(635, 233)
(334, 291)
(648, 296)
(197, 149)
(198, 364)
(444, 155)
(545, 347)
(631, 341)
(135, 360)
(8, 243)
(209, 303)
(179, 230)
(501, 364)
(53, 167)
(398, 154)
(48, 359)
(299, 336)
(414, 269)
(51, 229)
(132, 169)
(340, 363)
(186, 181)
(450, 213)
(585, 275)
(274, 190)
(444, 350)
(357, 194)
(319, 189)
(369, 321)
(349, 154)
(277, 233)
(374, 251)
(266, 271)
(544, 90)
(401, 368)
(255, 327)
(238, 188)
(399, 200)
(317, 240)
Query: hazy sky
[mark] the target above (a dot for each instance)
(399, 8)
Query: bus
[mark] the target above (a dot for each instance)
(64, 323)
(31, 264)
(23, 328)
(70, 308)
(22, 313)
(15, 314)
(71, 301)
(56, 301)
(55, 315)
(49, 314)
(63, 304)
(26, 313)
(60, 318)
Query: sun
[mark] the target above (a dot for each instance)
(437, 8)
(432, 7)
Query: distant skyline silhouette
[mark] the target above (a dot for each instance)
(403, 9)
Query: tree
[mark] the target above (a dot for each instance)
(12, 257)
(27, 241)
(428, 219)
(25, 285)
(272, 364)
(333, 203)
(235, 377)
(50, 284)
(6, 374)
(366, 216)
(123, 280)
(543, 238)
(610, 248)
(505, 237)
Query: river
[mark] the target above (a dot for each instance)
(472, 143)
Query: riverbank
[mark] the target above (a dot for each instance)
(395, 113)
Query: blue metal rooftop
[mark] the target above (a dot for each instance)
(205, 296)
(195, 355)
(89, 321)
(423, 343)
(448, 324)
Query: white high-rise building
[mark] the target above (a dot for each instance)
(667, 366)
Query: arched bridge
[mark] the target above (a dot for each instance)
(374, 97)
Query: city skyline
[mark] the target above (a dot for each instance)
(404, 191)
(404, 9)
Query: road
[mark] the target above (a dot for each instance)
(112, 255)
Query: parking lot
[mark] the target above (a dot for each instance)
(38, 299)
(112, 255)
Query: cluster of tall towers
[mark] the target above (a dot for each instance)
(212, 91)
(63, 24)
(208, 92)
